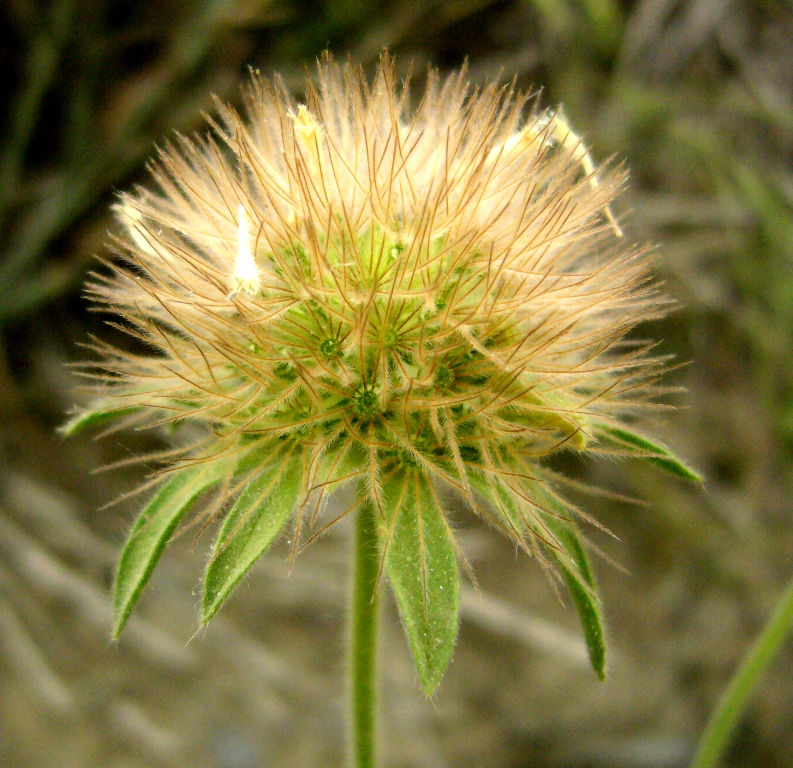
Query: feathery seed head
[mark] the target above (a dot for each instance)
(411, 298)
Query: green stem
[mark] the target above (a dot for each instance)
(721, 725)
(363, 640)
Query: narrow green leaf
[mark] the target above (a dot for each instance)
(151, 533)
(96, 417)
(421, 563)
(657, 454)
(499, 504)
(581, 584)
(572, 562)
(507, 506)
(568, 556)
(254, 521)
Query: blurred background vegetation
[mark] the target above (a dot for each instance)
(694, 96)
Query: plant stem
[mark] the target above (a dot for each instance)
(363, 640)
(720, 727)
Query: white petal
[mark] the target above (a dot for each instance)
(246, 275)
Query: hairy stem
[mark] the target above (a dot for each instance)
(363, 639)
(763, 651)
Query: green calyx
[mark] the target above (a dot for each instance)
(329, 348)
(367, 403)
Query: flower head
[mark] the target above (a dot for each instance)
(423, 301)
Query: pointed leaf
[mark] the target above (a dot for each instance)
(421, 563)
(581, 584)
(566, 553)
(151, 533)
(504, 503)
(254, 521)
(632, 442)
(96, 417)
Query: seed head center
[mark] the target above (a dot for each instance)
(367, 402)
